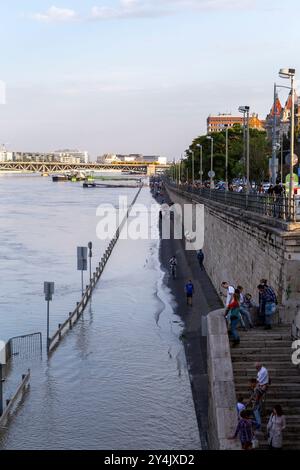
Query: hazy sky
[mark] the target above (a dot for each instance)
(137, 76)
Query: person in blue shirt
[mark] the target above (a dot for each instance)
(189, 290)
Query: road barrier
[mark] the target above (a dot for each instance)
(74, 316)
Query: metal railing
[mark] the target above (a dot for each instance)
(263, 204)
(81, 306)
(12, 403)
(24, 346)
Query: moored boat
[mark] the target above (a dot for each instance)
(59, 178)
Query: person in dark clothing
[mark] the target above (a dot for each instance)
(267, 303)
(200, 256)
(278, 203)
(278, 189)
(245, 430)
(189, 290)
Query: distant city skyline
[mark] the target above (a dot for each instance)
(124, 76)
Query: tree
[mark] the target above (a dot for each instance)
(259, 153)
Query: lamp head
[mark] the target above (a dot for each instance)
(287, 73)
(244, 109)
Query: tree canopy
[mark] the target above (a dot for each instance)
(260, 152)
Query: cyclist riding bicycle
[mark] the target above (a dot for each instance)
(173, 264)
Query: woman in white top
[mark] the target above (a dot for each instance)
(276, 426)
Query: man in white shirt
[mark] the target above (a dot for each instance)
(230, 290)
(262, 376)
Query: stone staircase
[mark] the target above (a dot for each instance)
(273, 349)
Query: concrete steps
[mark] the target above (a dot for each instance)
(244, 370)
(262, 357)
(273, 349)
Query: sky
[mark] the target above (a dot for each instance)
(137, 76)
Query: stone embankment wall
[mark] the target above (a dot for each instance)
(242, 247)
(222, 413)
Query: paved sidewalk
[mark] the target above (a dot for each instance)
(205, 300)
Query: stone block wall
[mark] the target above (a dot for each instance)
(242, 248)
(222, 413)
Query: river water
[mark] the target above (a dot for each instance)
(119, 380)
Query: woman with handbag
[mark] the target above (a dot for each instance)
(276, 426)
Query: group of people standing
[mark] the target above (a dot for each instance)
(238, 311)
(249, 415)
(239, 307)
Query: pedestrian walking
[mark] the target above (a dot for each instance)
(262, 378)
(276, 426)
(245, 431)
(233, 312)
(200, 256)
(189, 290)
(240, 406)
(244, 310)
(230, 290)
(173, 266)
(255, 401)
(268, 302)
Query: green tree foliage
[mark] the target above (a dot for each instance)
(260, 152)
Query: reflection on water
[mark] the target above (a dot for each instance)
(119, 380)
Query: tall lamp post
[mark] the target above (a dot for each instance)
(201, 163)
(275, 146)
(226, 127)
(290, 74)
(246, 112)
(274, 137)
(209, 137)
(193, 166)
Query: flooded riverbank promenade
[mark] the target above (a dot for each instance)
(119, 379)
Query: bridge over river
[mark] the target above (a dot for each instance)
(56, 167)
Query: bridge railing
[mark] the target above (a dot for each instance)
(263, 204)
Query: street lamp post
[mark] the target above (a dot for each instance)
(274, 148)
(290, 74)
(201, 163)
(209, 137)
(226, 156)
(281, 160)
(193, 166)
(246, 112)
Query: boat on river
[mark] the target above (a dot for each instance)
(59, 178)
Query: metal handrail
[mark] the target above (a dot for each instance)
(263, 204)
(74, 316)
(12, 402)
